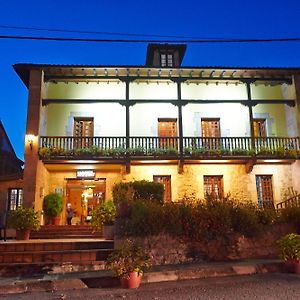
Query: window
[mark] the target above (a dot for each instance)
(264, 191)
(259, 127)
(165, 180)
(15, 198)
(83, 130)
(167, 127)
(166, 60)
(210, 127)
(213, 187)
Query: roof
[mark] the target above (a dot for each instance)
(4, 137)
(105, 71)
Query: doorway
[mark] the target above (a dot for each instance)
(85, 196)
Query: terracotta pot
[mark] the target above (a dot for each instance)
(292, 266)
(55, 220)
(22, 234)
(131, 281)
(108, 232)
(123, 210)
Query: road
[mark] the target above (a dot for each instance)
(268, 286)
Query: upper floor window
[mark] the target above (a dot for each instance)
(166, 60)
(210, 127)
(167, 131)
(15, 198)
(83, 127)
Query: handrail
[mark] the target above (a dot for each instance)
(291, 202)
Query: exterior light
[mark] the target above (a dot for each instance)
(29, 139)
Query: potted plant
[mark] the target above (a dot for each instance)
(289, 251)
(128, 262)
(103, 218)
(53, 206)
(23, 220)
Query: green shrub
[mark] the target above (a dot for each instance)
(23, 218)
(53, 204)
(138, 190)
(289, 247)
(105, 214)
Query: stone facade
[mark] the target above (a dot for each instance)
(164, 249)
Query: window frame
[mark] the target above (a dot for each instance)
(18, 200)
(169, 199)
(261, 202)
(220, 186)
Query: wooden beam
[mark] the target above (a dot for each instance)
(245, 102)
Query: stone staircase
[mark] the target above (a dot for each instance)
(55, 249)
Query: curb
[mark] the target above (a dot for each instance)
(177, 274)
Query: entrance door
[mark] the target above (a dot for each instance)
(259, 126)
(84, 196)
(167, 128)
(166, 182)
(83, 130)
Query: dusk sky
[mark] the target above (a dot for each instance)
(199, 19)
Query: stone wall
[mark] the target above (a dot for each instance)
(164, 249)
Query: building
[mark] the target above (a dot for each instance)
(198, 130)
(11, 174)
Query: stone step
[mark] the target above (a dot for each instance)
(58, 256)
(55, 245)
(65, 231)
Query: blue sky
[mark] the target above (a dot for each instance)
(202, 19)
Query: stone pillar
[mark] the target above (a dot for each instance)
(32, 166)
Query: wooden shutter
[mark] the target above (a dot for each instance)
(210, 127)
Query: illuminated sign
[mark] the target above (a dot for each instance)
(85, 174)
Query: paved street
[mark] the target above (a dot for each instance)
(268, 286)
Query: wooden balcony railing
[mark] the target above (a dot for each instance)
(58, 146)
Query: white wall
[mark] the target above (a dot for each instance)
(109, 119)
(213, 91)
(143, 117)
(152, 90)
(82, 90)
(234, 118)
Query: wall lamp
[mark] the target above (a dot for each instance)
(30, 139)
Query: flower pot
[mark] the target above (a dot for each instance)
(292, 266)
(22, 234)
(131, 280)
(123, 210)
(55, 220)
(108, 232)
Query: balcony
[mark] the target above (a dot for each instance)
(187, 148)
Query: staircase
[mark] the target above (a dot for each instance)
(291, 202)
(65, 232)
(55, 249)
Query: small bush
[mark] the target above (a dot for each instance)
(138, 190)
(23, 218)
(53, 204)
(290, 215)
(105, 213)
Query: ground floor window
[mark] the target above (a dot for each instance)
(15, 198)
(165, 180)
(264, 191)
(213, 187)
